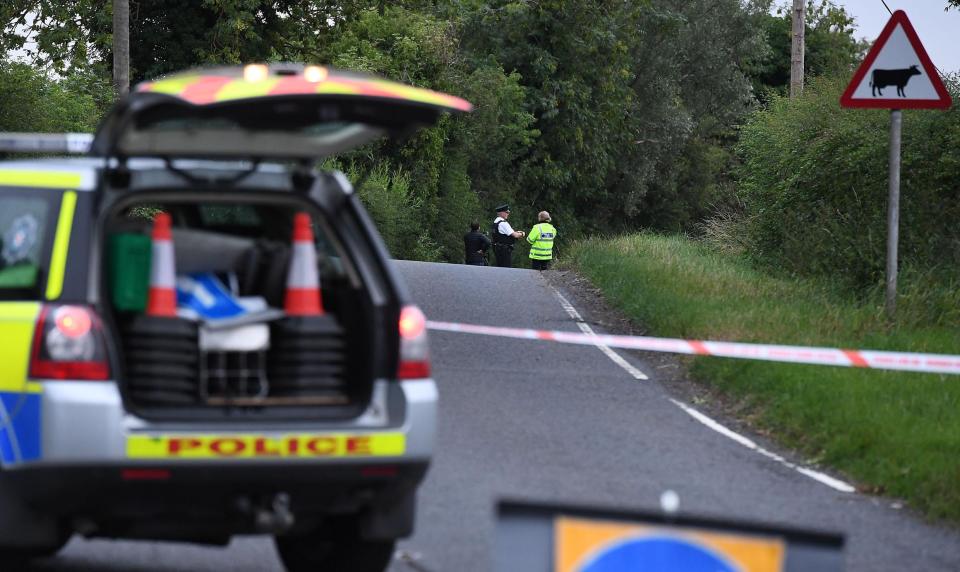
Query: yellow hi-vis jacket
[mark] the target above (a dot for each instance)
(541, 241)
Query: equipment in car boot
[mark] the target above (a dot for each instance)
(202, 297)
(303, 280)
(162, 297)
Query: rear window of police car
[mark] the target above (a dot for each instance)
(25, 229)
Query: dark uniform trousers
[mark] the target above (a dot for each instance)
(540, 264)
(504, 253)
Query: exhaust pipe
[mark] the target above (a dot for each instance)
(271, 515)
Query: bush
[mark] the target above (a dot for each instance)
(387, 196)
(458, 205)
(814, 182)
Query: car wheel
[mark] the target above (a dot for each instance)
(335, 545)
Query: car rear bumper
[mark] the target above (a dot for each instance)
(211, 502)
(104, 472)
(212, 489)
(84, 423)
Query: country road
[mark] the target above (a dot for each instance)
(550, 422)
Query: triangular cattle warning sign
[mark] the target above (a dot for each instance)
(897, 73)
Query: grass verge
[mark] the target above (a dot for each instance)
(894, 433)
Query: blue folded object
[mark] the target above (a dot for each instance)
(206, 295)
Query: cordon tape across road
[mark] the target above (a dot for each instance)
(870, 359)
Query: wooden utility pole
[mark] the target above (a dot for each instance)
(121, 47)
(796, 54)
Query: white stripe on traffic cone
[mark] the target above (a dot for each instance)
(303, 280)
(162, 298)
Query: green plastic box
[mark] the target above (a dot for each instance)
(129, 271)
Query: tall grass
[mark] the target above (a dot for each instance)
(891, 432)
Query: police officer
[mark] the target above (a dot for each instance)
(504, 237)
(475, 246)
(541, 242)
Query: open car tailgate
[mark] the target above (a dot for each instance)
(279, 111)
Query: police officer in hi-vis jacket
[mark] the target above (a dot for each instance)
(541, 242)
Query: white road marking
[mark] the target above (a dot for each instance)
(567, 306)
(749, 444)
(822, 478)
(585, 328)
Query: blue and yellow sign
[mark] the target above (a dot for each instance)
(585, 545)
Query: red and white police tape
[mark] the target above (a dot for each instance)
(902, 361)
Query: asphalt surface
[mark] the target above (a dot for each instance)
(559, 423)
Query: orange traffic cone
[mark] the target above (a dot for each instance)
(162, 299)
(303, 280)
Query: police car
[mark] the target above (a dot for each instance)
(196, 426)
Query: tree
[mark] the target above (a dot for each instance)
(170, 35)
(609, 114)
(575, 67)
(65, 34)
(32, 101)
(830, 45)
(618, 91)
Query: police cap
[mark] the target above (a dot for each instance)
(503, 208)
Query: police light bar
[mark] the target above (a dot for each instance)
(73, 143)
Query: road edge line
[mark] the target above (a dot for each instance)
(821, 478)
(586, 329)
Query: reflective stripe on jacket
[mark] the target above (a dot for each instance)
(541, 241)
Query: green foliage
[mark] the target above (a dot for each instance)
(892, 432)
(618, 92)
(458, 206)
(831, 47)
(32, 101)
(394, 207)
(409, 46)
(171, 35)
(65, 34)
(580, 100)
(416, 48)
(496, 136)
(611, 115)
(814, 184)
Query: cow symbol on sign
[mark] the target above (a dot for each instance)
(899, 78)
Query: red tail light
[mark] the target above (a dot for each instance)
(145, 474)
(414, 348)
(68, 344)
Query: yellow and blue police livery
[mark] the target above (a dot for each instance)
(39, 206)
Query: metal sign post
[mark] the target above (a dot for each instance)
(899, 64)
(893, 212)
